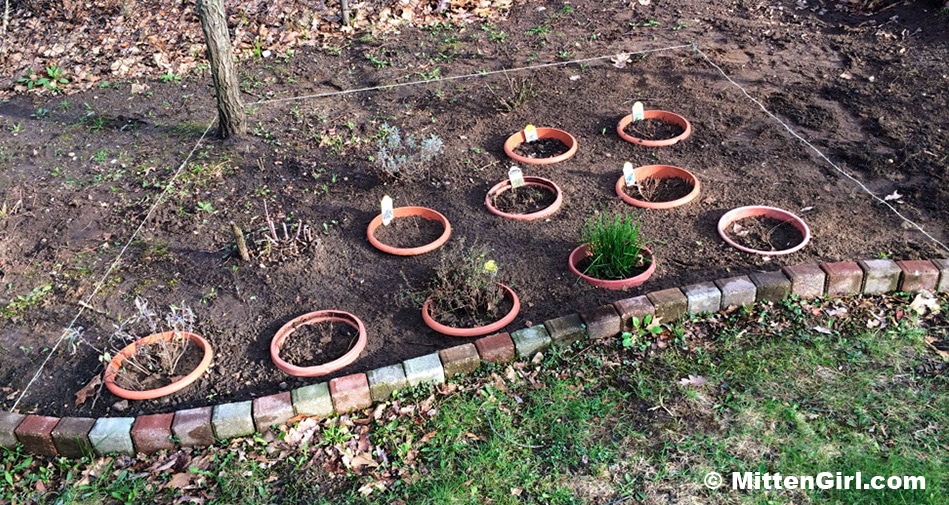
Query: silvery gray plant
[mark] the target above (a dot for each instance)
(403, 158)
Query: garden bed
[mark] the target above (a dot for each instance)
(79, 178)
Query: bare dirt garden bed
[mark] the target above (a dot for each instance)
(81, 173)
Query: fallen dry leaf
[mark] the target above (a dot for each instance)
(925, 301)
(180, 480)
(83, 394)
(693, 380)
(940, 346)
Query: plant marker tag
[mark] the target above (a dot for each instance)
(530, 133)
(387, 212)
(638, 112)
(629, 174)
(516, 176)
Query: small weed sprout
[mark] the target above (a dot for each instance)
(464, 288)
(641, 330)
(157, 364)
(615, 246)
(403, 158)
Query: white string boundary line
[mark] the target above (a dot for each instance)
(466, 76)
(115, 263)
(819, 153)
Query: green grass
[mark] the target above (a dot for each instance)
(797, 388)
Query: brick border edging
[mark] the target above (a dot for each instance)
(79, 436)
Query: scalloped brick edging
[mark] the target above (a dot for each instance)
(78, 436)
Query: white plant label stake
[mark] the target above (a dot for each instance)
(629, 174)
(638, 112)
(530, 133)
(516, 177)
(387, 212)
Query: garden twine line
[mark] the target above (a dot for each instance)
(466, 76)
(824, 157)
(85, 303)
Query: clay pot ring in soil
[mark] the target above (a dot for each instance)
(319, 316)
(422, 212)
(660, 115)
(149, 394)
(659, 172)
(581, 252)
(529, 180)
(734, 215)
(478, 330)
(542, 133)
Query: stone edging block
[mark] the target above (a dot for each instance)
(602, 322)
(566, 330)
(424, 370)
(385, 381)
(530, 341)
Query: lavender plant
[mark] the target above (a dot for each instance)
(403, 157)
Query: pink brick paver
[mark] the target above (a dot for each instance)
(844, 278)
(350, 393)
(602, 322)
(497, 348)
(272, 410)
(36, 435)
(193, 428)
(918, 275)
(152, 433)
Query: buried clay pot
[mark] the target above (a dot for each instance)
(780, 231)
(476, 331)
(402, 212)
(321, 316)
(651, 177)
(580, 253)
(512, 143)
(133, 349)
(529, 181)
(669, 118)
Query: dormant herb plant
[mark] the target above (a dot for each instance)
(402, 157)
(157, 364)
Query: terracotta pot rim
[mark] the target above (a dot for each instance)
(665, 117)
(614, 284)
(529, 180)
(312, 318)
(661, 172)
(542, 133)
(422, 212)
(739, 213)
(112, 369)
(478, 330)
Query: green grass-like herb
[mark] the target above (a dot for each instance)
(615, 246)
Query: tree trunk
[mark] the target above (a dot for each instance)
(231, 117)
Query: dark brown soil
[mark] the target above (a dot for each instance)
(653, 129)
(764, 234)
(541, 148)
(664, 189)
(409, 231)
(83, 182)
(524, 200)
(318, 344)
